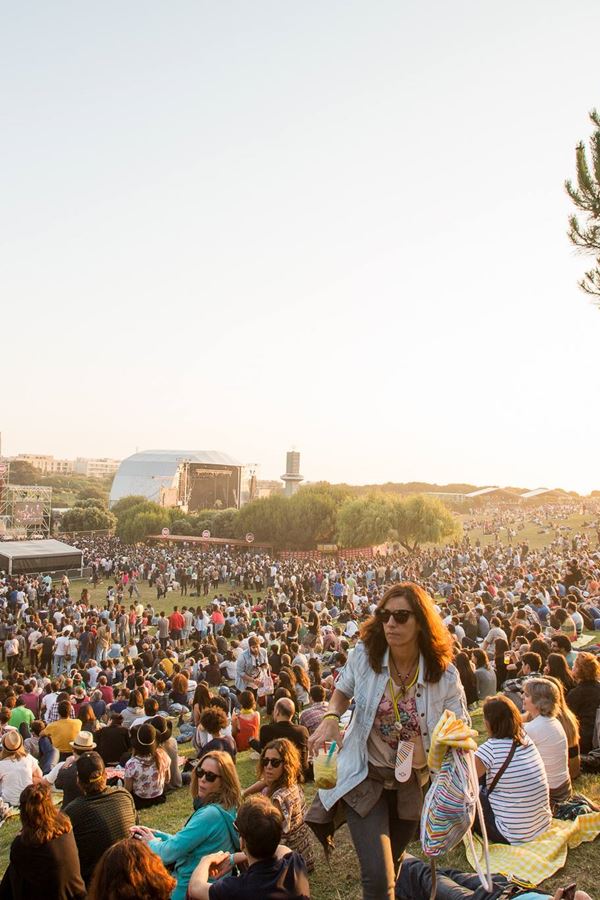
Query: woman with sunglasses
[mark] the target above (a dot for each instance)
(401, 679)
(280, 777)
(216, 788)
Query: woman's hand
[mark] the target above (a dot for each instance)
(328, 730)
(141, 833)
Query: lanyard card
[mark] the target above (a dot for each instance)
(404, 757)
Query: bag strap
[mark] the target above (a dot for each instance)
(503, 767)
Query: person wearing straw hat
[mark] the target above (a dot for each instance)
(18, 769)
(64, 775)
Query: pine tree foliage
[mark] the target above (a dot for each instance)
(585, 234)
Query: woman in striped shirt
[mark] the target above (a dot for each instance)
(517, 807)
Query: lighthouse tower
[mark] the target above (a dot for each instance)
(292, 476)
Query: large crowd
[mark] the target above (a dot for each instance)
(120, 701)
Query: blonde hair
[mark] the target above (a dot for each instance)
(564, 715)
(544, 695)
(229, 795)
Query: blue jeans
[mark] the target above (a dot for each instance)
(414, 883)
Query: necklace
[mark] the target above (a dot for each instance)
(405, 683)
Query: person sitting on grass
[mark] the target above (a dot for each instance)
(216, 787)
(147, 772)
(269, 869)
(245, 724)
(130, 869)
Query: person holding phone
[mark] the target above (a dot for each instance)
(216, 787)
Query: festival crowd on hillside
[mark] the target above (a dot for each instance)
(119, 706)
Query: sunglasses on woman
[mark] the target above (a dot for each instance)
(400, 616)
(269, 761)
(209, 776)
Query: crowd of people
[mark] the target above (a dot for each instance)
(214, 653)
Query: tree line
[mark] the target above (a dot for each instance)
(317, 514)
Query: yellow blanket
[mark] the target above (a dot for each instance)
(529, 864)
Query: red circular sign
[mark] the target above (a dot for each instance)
(165, 532)
(249, 537)
(206, 534)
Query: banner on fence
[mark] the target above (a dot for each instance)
(348, 553)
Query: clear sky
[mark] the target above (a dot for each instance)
(339, 226)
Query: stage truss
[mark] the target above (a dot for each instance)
(25, 511)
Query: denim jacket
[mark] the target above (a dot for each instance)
(358, 680)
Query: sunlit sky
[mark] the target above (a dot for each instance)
(334, 226)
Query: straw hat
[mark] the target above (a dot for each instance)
(83, 741)
(12, 741)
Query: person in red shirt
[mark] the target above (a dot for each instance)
(108, 695)
(176, 624)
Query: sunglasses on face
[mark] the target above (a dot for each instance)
(209, 776)
(269, 761)
(400, 616)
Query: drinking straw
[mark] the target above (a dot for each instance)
(331, 750)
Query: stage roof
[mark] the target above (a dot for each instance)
(29, 557)
(147, 472)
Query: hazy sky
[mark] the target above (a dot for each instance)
(339, 226)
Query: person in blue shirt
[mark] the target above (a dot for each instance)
(210, 828)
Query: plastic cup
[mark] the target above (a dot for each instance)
(325, 769)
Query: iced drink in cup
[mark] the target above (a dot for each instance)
(325, 767)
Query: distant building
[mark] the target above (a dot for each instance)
(45, 464)
(49, 465)
(96, 468)
(292, 477)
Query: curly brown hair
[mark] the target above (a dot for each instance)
(435, 642)
(128, 870)
(586, 668)
(41, 821)
(291, 770)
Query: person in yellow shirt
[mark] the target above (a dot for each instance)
(62, 731)
(166, 665)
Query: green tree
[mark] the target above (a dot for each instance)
(585, 235)
(144, 520)
(87, 517)
(268, 519)
(23, 473)
(126, 503)
(364, 521)
(421, 520)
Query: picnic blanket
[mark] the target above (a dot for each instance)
(530, 864)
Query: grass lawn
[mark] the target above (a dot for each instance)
(535, 535)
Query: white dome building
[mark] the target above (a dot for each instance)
(190, 479)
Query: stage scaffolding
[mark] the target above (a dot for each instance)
(25, 511)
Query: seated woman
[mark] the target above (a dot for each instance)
(584, 698)
(147, 772)
(517, 807)
(212, 732)
(165, 740)
(280, 777)
(556, 665)
(245, 724)
(134, 708)
(571, 726)
(484, 675)
(541, 702)
(467, 677)
(178, 697)
(216, 789)
(18, 769)
(130, 869)
(44, 861)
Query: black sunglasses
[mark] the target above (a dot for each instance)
(269, 761)
(210, 776)
(400, 616)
